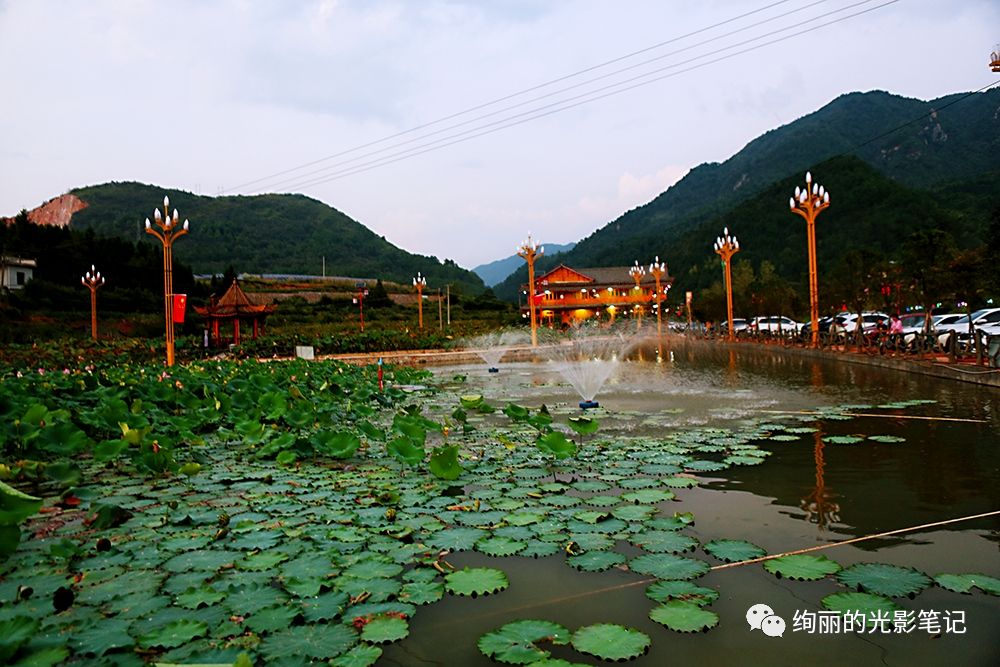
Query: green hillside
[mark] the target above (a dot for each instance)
(264, 234)
(947, 155)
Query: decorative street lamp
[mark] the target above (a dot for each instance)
(637, 272)
(658, 269)
(530, 252)
(995, 59)
(93, 280)
(168, 232)
(420, 283)
(808, 203)
(726, 246)
(360, 301)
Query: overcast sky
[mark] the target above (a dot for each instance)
(214, 96)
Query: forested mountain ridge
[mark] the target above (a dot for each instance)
(273, 233)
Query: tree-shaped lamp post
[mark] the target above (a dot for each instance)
(808, 203)
(168, 231)
(93, 280)
(658, 269)
(726, 246)
(530, 252)
(637, 272)
(420, 283)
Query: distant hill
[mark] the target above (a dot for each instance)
(945, 154)
(264, 234)
(495, 272)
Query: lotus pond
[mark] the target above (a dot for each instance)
(294, 513)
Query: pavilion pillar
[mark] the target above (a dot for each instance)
(236, 331)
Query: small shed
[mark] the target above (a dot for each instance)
(234, 308)
(16, 271)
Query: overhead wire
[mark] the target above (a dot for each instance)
(570, 103)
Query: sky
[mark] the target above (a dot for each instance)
(623, 98)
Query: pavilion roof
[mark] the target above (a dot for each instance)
(604, 276)
(234, 303)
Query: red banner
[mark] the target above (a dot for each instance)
(180, 304)
(538, 299)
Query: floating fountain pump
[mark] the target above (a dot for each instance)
(494, 370)
(589, 404)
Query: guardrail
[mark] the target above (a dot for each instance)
(948, 347)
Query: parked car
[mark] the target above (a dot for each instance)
(986, 316)
(739, 324)
(775, 323)
(848, 322)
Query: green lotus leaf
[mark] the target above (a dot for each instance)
(882, 579)
(303, 588)
(420, 574)
(592, 541)
(743, 460)
(679, 482)
(668, 566)
(325, 607)
(270, 619)
(805, 567)
(199, 560)
(372, 432)
(15, 632)
(661, 541)
(262, 560)
(539, 549)
(406, 450)
(359, 656)
(664, 591)
(843, 439)
(633, 512)
(66, 473)
(478, 581)
(989, 585)
(385, 630)
(46, 657)
(444, 462)
(608, 641)
(499, 546)
(555, 443)
(318, 642)
(107, 450)
(886, 438)
(583, 425)
(603, 501)
(456, 539)
(706, 466)
(193, 598)
(422, 592)
(731, 551)
(372, 568)
(471, 402)
(590, 486)
(15, 506)
(684, 616)
(596, 561)
(97, 639)
(556, 662)
(957, 583)
(517, 643)
(273, 405)
(864, 603)
(173, 634)
(376, 590)
(648, 496)
(634, 483)
(516, 412)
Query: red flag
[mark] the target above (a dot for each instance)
(180, 303)
(538, 299)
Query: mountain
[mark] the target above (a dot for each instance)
(955, 141)
(495, 272)
(264, 234)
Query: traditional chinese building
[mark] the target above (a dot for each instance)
(233, 309)
(564, 294)
(16, 271)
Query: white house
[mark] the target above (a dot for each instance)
(15, 271)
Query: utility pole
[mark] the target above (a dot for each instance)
(449, 304)
(440, 315)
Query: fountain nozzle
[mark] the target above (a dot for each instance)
(589, 404)
(494, 370)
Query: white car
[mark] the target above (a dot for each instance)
(775, 324)
(986, 316)
(848, 322)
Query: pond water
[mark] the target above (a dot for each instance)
(807, 493)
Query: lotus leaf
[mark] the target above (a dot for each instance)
(206, 561)
(555, 443)
(583, 425)
(14, 633)
(246, 599)
(456, 539)
(173, 634)
(882, 579)
(633, 512)
(590, 486)
(319, 642)
(521, 533)
(668, 566)
(444, 462)
(489, 518)
(359, 656)
(478, 581)
(663, 591)
(15, 506)
(805, 567)
(376, 590)
(517, 643)
(648, 496)
(385, 630)
(406, 450)
(262, 560)
(193, 598)
(675, 522)
(608, 641)
(864, 603)
(540, 549)
(706, 466)
(556, 662)
(499, 546)
(372, 569)
(660, 541)
(325, 607)
(603, 501)
(886, 438)
(684, 616)
(591, 541)
(733, 550)
(596, 561)
(957, 583)
(270, 619)
(679, 482)
(422, 592)
(989, 585)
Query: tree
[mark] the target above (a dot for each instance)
(378, 297)
(926, 257)
(857, 273)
